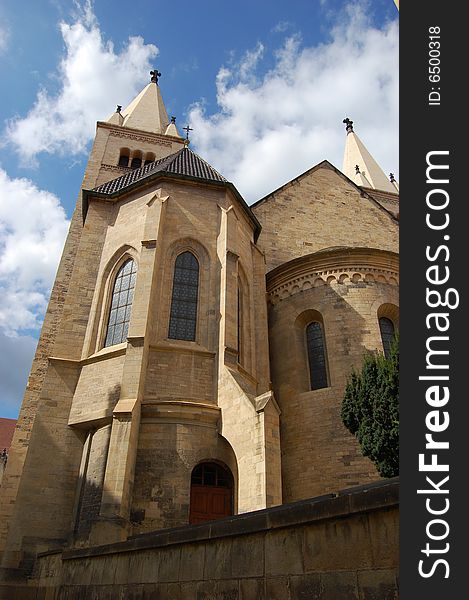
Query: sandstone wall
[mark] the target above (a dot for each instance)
(341, 548)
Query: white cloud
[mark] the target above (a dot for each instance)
(4, 36)
(271, 128)
(94, 78)
(33, 227)
(281, 27)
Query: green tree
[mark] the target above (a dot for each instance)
(370, 409)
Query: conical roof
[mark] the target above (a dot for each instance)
(360, 166)
(146, 112)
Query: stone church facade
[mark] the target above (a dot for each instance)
(195, 350)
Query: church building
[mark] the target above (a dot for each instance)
(195, 350)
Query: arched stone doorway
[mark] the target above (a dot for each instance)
(211, 493)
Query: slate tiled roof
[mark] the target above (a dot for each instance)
(184, 162)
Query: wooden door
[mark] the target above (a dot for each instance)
(211, 493)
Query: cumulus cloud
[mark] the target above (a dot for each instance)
(271, 127)
(33, 226)
(4, 35)
(93, 78)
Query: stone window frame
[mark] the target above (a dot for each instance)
(302, 321)
(175, 317)
(322, 350)
(149, 158)
(124, 153)
(177, 247)
(144, 157)
(391, 312)
(244, 320)
(127, 306)
(104, 297)
(137, 156)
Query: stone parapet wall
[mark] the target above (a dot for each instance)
(341, 546)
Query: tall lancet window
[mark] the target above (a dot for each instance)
(386, 327)
(183, 318)
(121, 304)
(316, 355)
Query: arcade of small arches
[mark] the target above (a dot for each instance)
(134, 159)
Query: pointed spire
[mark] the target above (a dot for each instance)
(116, 118)
(147, 111)
(369, 173)
(172, 129)
(360, 178)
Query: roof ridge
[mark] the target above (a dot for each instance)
(208, 165)
(178, 163)
(136, 174)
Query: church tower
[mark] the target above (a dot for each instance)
(149, 402)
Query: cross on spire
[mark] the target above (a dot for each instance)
(154, 76)
(187, 129)
(348, 124)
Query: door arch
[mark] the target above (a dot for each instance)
(211, 493)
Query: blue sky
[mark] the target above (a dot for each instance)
(265, 86)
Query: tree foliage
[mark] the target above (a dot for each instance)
(370, 409)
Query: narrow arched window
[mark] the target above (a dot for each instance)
(183, 318)
(149, 158)
(386, 327)
(240, 324)
(136, 162)
(124, 158)
(121, 304)
(316, 355)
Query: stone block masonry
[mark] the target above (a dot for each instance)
(340, 547)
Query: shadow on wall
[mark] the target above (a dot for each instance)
(166, 457)
(318, 454)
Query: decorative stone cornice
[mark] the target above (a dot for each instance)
(137, 134)
(341, 266)
(115, 168)
(180, 410)
(142, 138)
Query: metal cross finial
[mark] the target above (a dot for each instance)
(187, 129)
(357, 169)
(119, 108)
(392, 178)
(173, 120)
(154, 76)
(348, 124)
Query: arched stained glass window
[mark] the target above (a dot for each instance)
(183, 318)
(386, 327)
(316, 355)
(121, 304)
